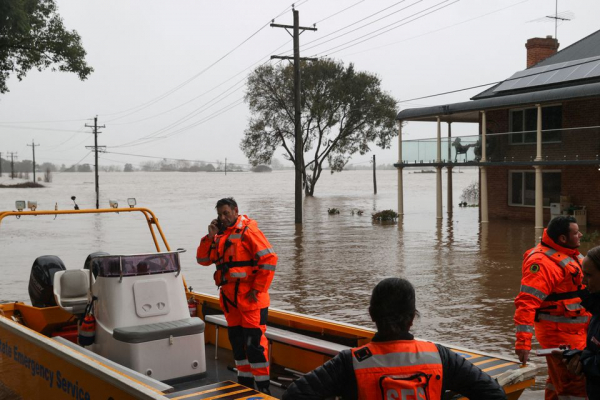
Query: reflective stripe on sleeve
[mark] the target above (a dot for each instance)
(397, 359)
(264, 252)
(562, 320)
(268, 267)
(238, 274)
(533, 291)
(259, 365)
(235, 236)
(573, 307)
(525, 328)
(564, 262)
(200, 260)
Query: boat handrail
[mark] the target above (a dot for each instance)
(150, 218)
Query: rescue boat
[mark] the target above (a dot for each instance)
(127, 326)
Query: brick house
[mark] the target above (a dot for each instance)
(538, 141)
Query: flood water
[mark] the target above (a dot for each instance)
(466, 278)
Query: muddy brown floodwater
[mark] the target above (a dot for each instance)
(466, 277)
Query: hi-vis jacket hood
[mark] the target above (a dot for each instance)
(550, 295)
(245, 260)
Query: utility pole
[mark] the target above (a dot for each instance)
(374, 177)
(299, 148)
(225, 165)
(95, 147)
(0, 164)
(33, 146)
(12, 165)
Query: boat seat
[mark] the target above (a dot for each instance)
(287, 337)
(146, 380)
(160, 330)
(71, 288)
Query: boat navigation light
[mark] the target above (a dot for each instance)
(20, 205)
(113, 203)
(131, 201)
(32, 205)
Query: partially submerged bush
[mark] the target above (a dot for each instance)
(332, 211)
(384, 216)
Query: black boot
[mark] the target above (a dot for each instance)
(265, 390)
(246, 381)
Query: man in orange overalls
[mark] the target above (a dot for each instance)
(245, 267)
(549, 301)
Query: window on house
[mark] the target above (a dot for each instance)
(522, 188)
(525, 120)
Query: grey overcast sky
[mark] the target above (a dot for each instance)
(143, 50)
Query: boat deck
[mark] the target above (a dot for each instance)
(219, 381)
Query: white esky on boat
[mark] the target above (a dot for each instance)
(142, 50)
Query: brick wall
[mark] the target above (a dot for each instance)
(582, 183)
(582, 144)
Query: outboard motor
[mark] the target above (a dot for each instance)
(88, 262)
(41, 280)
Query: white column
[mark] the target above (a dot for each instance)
(438, 174)
(449, 168)
(400, 184)
(483, 185)
(539, 187)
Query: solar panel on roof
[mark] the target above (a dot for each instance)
(552, 74)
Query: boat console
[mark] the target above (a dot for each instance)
(141, 312)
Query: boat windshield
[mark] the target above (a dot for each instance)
(137, 264)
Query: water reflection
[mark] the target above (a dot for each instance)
(466, 275)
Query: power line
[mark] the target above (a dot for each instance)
(176, 88)
(437, 30)
(365, 25)
(391, 29)
(495, 83)
(36, 128)
(339, 12)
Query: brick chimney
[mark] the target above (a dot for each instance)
(539, 49)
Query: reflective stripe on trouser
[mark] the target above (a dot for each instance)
(250, 345)
(561, 384)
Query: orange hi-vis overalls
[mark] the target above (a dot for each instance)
(549, 301)
(399, 369)
(245, 260)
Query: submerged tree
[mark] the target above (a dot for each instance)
(32, 35)
(343, 112)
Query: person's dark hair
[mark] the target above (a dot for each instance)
(392, 306)
(560, 226)
(227, 201)
(594, 255)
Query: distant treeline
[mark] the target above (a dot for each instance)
(25, 166)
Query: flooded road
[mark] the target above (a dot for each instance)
(466, 278)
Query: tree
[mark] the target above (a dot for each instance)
(32, 35)
(343, 112)
(128, 168)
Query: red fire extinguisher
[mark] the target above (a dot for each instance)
(193, 307)
(87, 330)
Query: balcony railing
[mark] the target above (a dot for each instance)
(558, 145)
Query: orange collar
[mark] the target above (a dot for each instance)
(547, 240)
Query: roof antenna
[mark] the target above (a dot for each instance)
(562, 16)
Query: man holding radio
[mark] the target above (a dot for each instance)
(549, 303)
(246, 265)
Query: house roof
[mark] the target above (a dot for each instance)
(573, 72)
(468, 111)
